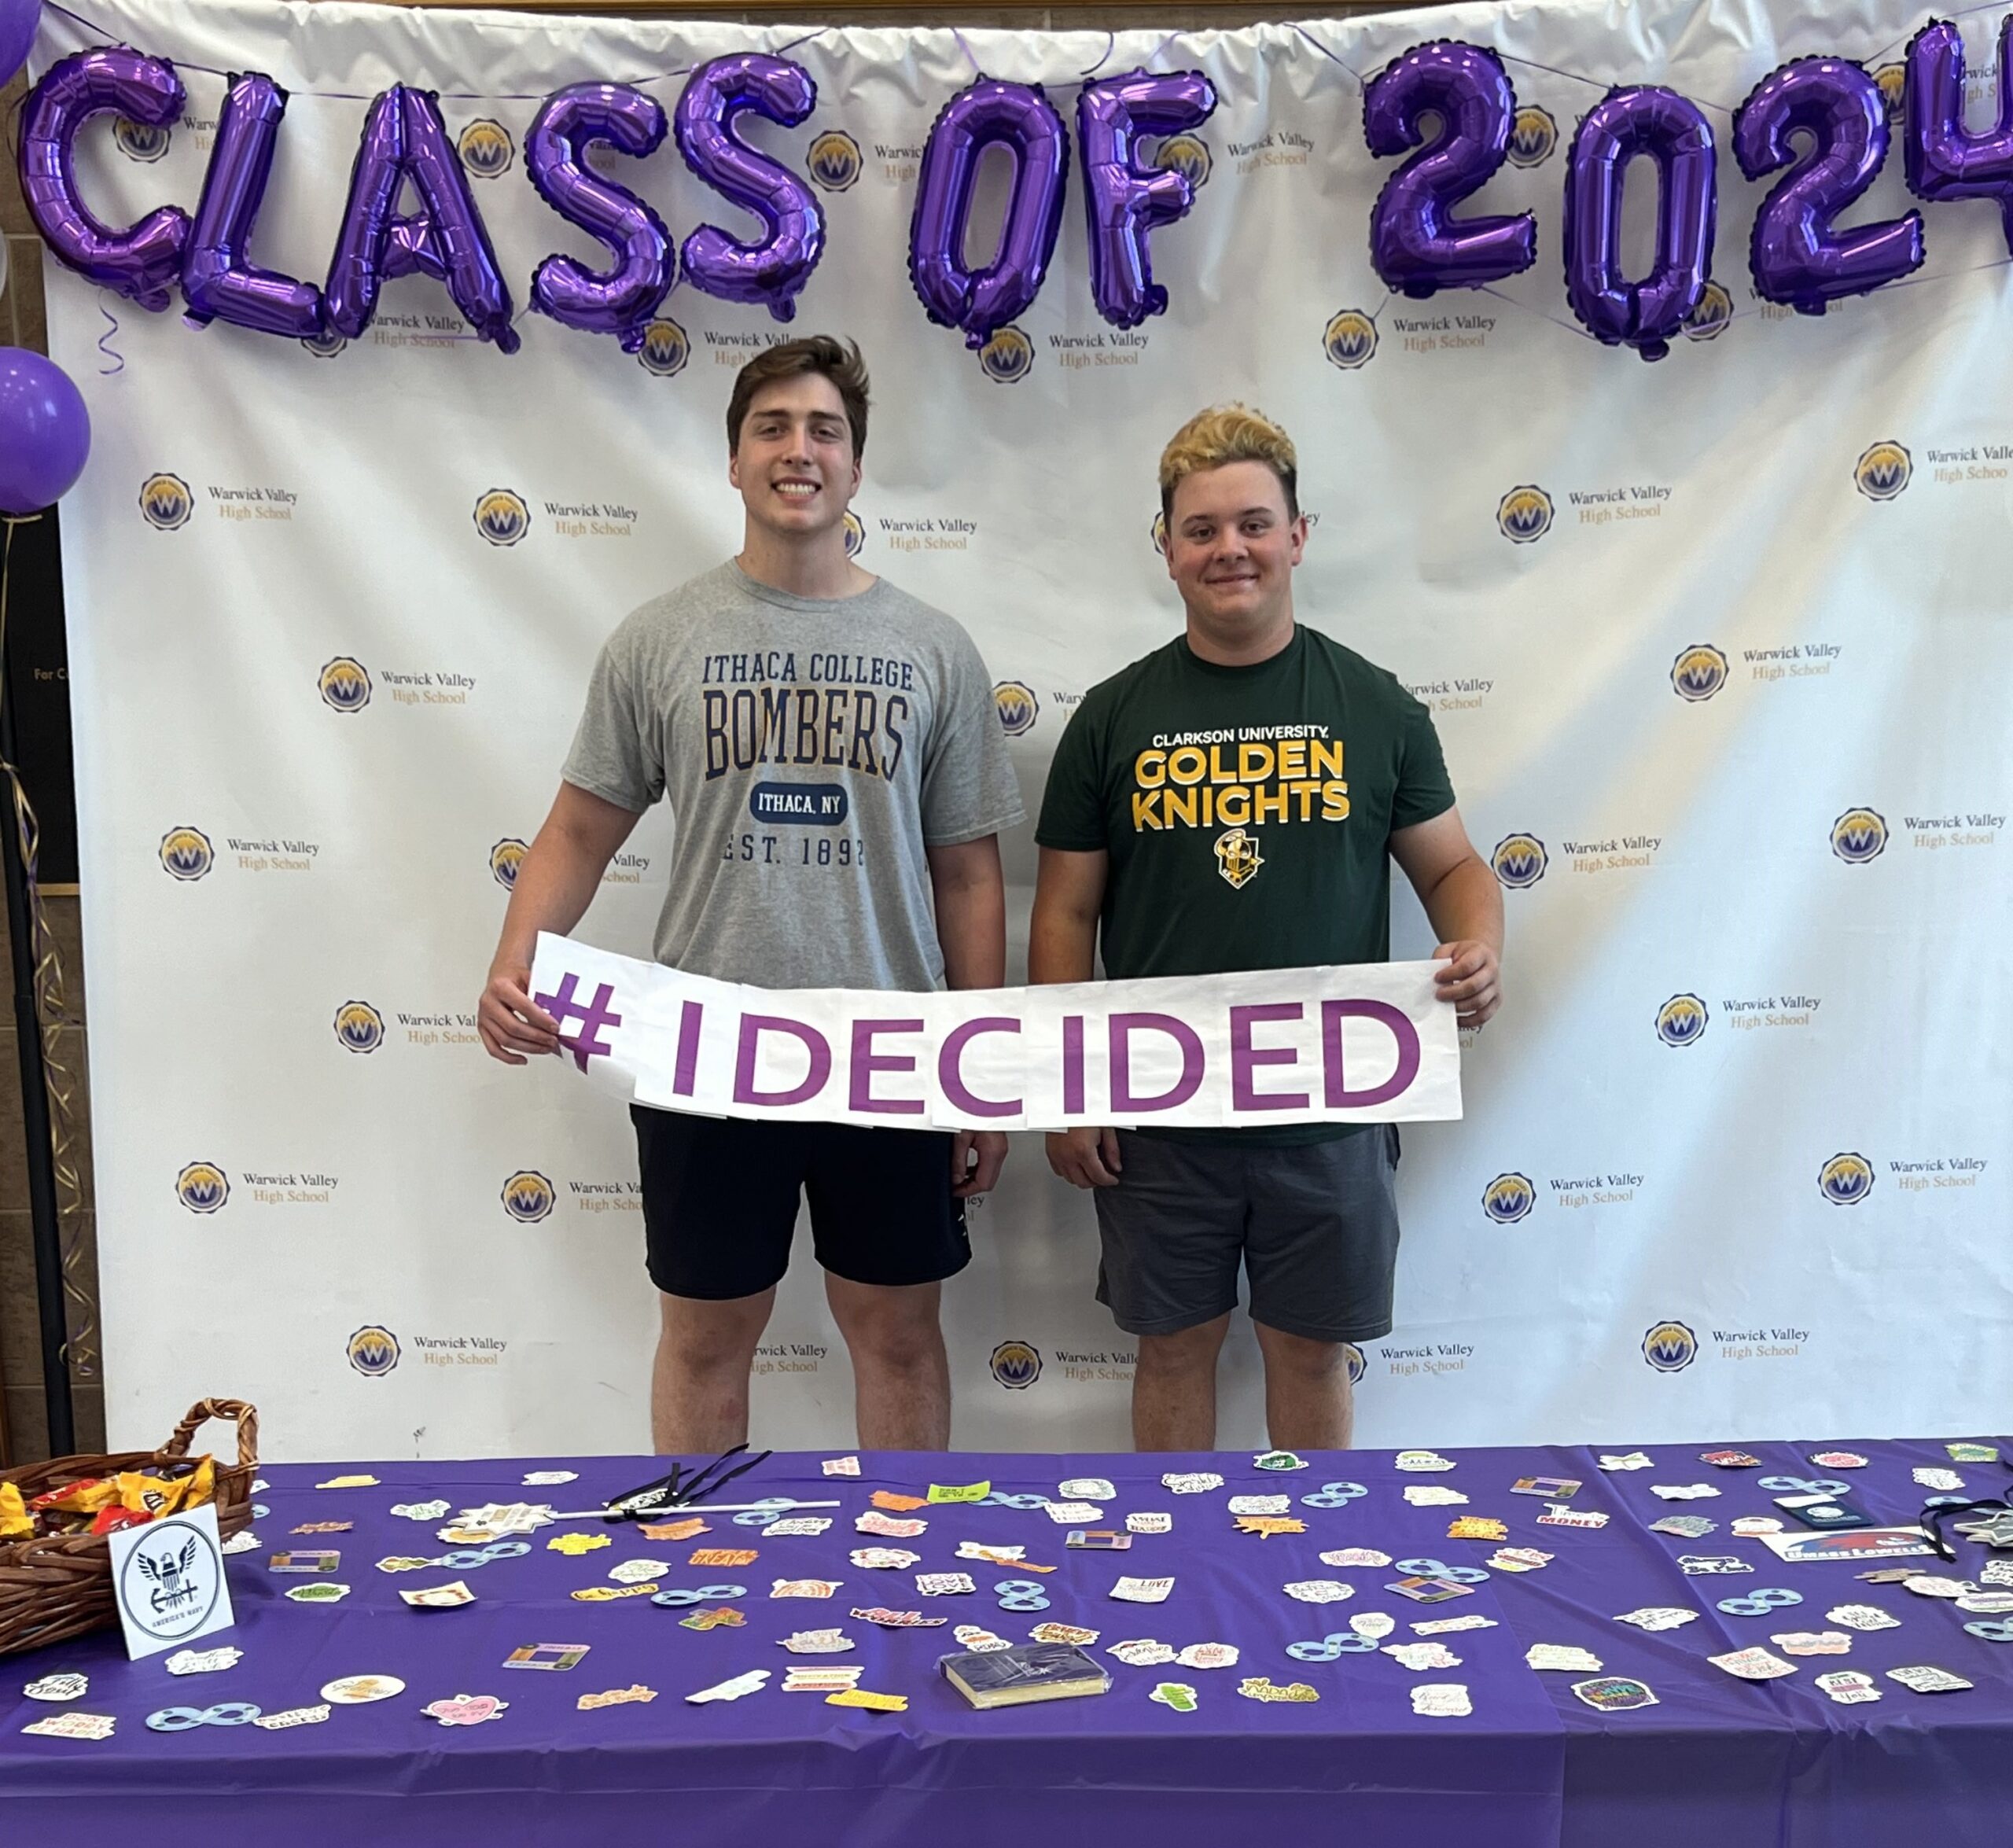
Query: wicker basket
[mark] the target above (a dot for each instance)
(51, 1590)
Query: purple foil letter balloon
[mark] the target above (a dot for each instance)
(1669, 131)
(1017, 116)
(1416, 244)
(219, 280)
(1123, 201)
(773, 271)
(1946, 160)
(404, 138)
(1797, 257)
(141, 263)
(621, 301)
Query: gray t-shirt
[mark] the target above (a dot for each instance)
(810, 749)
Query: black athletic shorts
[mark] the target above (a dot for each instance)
(720, 1198)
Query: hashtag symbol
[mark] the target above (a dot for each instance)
(593, 1017)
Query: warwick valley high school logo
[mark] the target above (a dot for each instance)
(1016, 1365)
(529, 1196)
(834, 161)
(1524, 515)
(359, 1027)
(345, 684)
(166, 503)
(186, 853)
(502, 517)
(1883, 471)
(1018, 708)
(1007, 358)
(1699, 672)
(665, 347)
(1508, 1198)
(1237, 858)
(1519, 860)
(202, 1186)
(1858, 836)
(1670, 1347)
(1349, 339)
(505, 858)
(486, 149)
(1682, 1021)
(1845, 1180)
(373, 1352)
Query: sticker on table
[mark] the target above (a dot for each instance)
(1629, 1460)
(573, 1545)
(1862, 1617)
(751, 1683)
(1566, 1657)
(1926, 1678)
(1996, 1572)
(1355, 1555)
(1442, 1626)
(796, 1526)
(636, 1571)
(1318, 1591)
(203, 1661)
(724, 1556)
(1422, 1656)
(1191, 1481)
(1549, 1488)
(1929, 1585)
(1375, 1625)
(1145, 1591)
(833, 1679)
(1086, 1488)
(1899, 1574)
(897, 1620)
(1848, 1687)
(1476, 1527)
(1266, 1525)
(293, 1716)
(1280, 1460)
(1095, 1539)
(1995, 1531)
(981, 1641)
(1074, 1514)
(840, 1466)
(956, 1492)
(607, 1594)
(1982, 1603)
(360, 1690)
(1441, 1700)
(1264, 1688)
(1813, 1641)
(1754, 1526)
(636, 1691)
(1686, 1526)
(814, 1587)
(467, 1709)
(72, 1725)
(1557, 1514)
(323, 1591)
(1729, 1459)
(1658, 1617)
(888, 1528)
(1711, 1565)
(1431, 1495)
(510, 1517)
(662, 1530)
(58, 1688)
(1518, 1558)
(883, 1558)
(1177, 1695)
(992, 1555)
(247, 1542)
(874, 1704)
(1424, 1590)
(944, 1585)
(1946, 1481)
(1420, 1459)
(831, 1642)
(1152, 1523)
(1072, 1633)
(304, 1562)
(323, 1527)
(1614, 1693)
(549, 1479)
(1208, 1655)
(1141, 1652)
(419, 1511)
(349, 1482)
(1753, 1664)
(552, 1656)
(720, 1617)
(1684, 1491)
(895, 1504)
(1838, 1459)
(1960, 1452)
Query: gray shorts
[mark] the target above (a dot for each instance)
(1316, 1227)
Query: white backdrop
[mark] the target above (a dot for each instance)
(410, 1250)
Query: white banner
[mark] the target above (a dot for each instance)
(1717, 648)
(1367, 1043)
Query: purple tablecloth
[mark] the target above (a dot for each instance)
(1719, 1762)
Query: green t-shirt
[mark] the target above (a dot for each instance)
(1247, 811)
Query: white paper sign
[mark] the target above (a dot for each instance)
(1360, 1042)
(168, 1578)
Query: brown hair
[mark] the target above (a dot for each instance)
(1229, 433)
(836, 360)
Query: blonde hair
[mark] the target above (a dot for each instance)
(1228, 433)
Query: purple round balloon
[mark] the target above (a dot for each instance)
(141, 262)
(774, 270)
(1123, 201)
(1416, 244)
(1944, 159)
(1795, 255)
(623, 300)
(17, 24)
(45, 431)
(1669, 131)
(986, 114)
(218, 280)
(404, 138)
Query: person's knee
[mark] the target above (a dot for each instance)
(1301, 1355)
(1191, 1350)
(892, 1330)
(705, 1338)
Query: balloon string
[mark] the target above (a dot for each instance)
(1110, 45)
(111, 353)
(1332, 57)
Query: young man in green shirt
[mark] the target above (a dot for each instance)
(1229, 802)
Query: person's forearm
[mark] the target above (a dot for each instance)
(1061, 947)
(971, 926)
(1466, 905)
(555, 883)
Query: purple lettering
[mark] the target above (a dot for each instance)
(1122, 1028)
(690, 1017)
(1073, 1065)
(1244, 1058)
(1339, 1096)
(866, 1062)
(752, 1027)
(951, 1078)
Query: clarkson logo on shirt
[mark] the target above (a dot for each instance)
(1219, 779)
(1237, 858)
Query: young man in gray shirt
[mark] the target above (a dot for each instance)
(830, 748)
